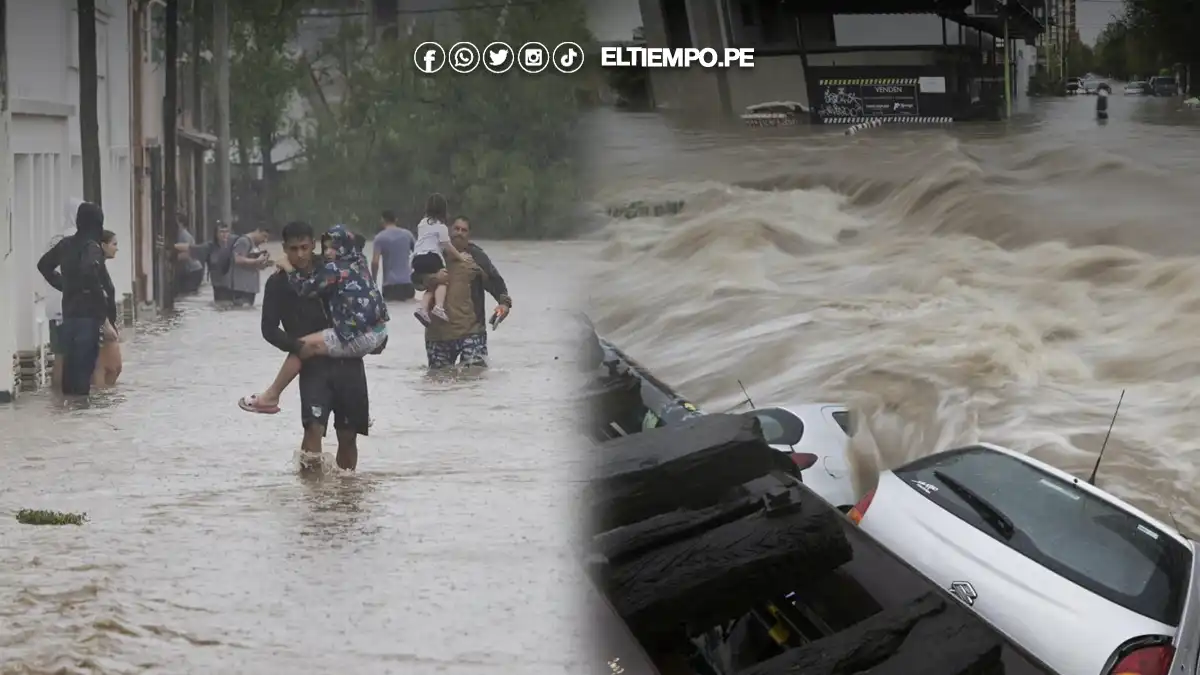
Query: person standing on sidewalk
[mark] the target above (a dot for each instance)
(393, 247)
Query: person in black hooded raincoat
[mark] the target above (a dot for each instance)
(76, 267)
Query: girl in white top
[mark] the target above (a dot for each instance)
(429, 257)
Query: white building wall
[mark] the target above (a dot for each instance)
(7, 338)
(42, 157)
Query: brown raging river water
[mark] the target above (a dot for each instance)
(206, 553)
(1000, 283)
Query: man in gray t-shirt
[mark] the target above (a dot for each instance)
(248, 261)
(393, 246)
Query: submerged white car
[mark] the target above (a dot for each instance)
(817, 437)
(1136, 89)
(1086, 582)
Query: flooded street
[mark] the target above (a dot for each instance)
(207, 553)
(986, 282)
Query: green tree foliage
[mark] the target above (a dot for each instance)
(502, 148)
(264, 72)
(1125, 51)
(1169, 27)
(1081, 59)
(1151, 38)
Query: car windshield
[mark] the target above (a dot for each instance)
(1078, 536)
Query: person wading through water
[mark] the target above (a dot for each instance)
(47, 268)
(217, 256)
(327, 385)
(393, 247)
(463, 339)
(248, 262)
(75, 266)
(108, 365)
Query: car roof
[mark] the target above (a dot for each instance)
(1092, 490)
(802, 409)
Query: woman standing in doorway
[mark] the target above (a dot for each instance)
(108, 365)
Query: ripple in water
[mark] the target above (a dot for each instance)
(950, 287)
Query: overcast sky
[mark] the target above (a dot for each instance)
(1093, 15)
(616, 19)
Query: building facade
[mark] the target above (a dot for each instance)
(939, 58)
(41, 161)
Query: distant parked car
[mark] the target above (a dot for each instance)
(1095, 87)
(1164, 86)
(1074, 84)
(1137, 89)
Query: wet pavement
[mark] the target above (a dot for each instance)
(207, 553)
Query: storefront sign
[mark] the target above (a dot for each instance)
(868, 98)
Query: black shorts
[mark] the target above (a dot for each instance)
(337, 387)
(242, 298)
(428, 263)
(399, 292)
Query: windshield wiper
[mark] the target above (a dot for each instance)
(990, 514)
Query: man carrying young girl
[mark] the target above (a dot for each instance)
(355, 306)
(430, 253)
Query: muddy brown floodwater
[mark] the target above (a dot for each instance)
(996, 282)
(207, 553)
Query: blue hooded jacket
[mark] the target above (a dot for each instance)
(355, 304)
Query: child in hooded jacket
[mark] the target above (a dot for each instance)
(356, 309)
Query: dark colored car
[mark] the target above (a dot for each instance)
(720, 561)
(615, 650)
(1164, 86)
(858, 603)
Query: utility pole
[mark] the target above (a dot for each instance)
(200, 224)
(89, 124)
(1007, 69)
(1062, 32)
(221, 54)
(170, 202)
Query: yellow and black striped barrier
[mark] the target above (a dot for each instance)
(868, 81)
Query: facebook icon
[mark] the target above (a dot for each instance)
(429, 57)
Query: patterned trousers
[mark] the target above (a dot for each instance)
(469, 351)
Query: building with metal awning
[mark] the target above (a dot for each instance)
(850, 59)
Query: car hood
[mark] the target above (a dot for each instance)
(1027, 602)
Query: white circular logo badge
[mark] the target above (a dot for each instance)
(464, 57)
(533, 57)
(498, 58)
(568, 57)
(429, 57)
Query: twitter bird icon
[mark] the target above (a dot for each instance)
(498, 58)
